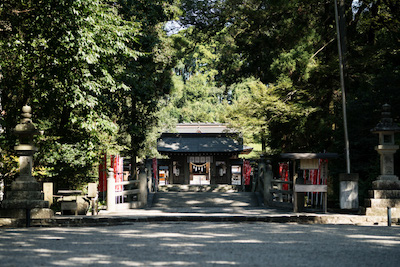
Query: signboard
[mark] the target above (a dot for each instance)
(236, 174)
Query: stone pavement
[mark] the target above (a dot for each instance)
(203, 214)
(202, 244)
(196, 207)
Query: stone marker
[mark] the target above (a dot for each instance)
(348, 190)
(48, 192)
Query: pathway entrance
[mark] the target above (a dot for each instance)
(186, 196)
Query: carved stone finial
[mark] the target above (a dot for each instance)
(386, 122)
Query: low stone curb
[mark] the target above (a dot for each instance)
(120, 220)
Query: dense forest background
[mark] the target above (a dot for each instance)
(109, 76)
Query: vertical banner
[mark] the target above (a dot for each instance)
(284, 174)
(246, 172)
(102, 187)
(314, 176)
(155, 172)
(117, 165)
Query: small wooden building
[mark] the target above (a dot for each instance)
(201, 154)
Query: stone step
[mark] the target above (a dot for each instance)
(25, 186)
(384, 194)
(395, 212)
(34, 195)
(24, 204)
(382, 203)
(36, 213)
(204, 199)
(386, 185)
(198, 188)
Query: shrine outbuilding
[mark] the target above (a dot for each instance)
(201, 154)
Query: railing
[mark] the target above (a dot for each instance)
(278, 193)
(137, 198)
(274, 195)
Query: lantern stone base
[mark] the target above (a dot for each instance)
(385, 194)
(23, 196)
(36, 213)
(387, 177)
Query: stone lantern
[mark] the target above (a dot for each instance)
(25, 197)
(386, 148)
(386, 189)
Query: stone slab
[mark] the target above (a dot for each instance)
(383, 203)
(198, 188)
(36, 213)
(71, 203)
(384, 194)
(25, 186)
(387, 177)
(48, 192)
(349, 194)
(349, 177)
(386, 185)
(382, 212)
(24, 204)
(24, 195)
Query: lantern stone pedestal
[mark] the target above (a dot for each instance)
(25, 197)
(385, 191)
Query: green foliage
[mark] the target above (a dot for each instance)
(289, 47)
(69, 60)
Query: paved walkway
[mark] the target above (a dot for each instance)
(202, 244)
(204, 214)
(224, 209)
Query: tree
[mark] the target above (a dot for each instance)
(65, 58)
(149, 76)
(289, 47)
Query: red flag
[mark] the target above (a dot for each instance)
(284, 174)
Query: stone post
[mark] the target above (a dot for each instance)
(149, 175)
(48, 192)
(110, 190)
(268, 176)
(143, 188)
(25, 198)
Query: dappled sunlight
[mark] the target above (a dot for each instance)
(179, 245)
(161, 263)
(248, 241)
(51, 237)
(378, 240)
(90, 259)
(222, 262)
(196, 243)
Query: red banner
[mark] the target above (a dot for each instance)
(118, 166)
(246, 172)
(103, 174)
(155, 171)
(284, 174)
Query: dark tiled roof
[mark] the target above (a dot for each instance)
(198, 144)
(309, 155)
